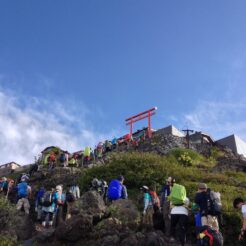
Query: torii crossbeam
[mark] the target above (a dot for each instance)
(146, 114)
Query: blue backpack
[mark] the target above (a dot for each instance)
(115, 190)
(22, 190)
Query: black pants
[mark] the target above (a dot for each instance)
(181, 221)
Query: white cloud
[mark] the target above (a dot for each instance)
(219, 118)
(28, 125)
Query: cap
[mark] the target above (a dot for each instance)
(202, 186)
(145, 187)
(4, 179)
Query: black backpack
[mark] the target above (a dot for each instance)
(211, 238)
(47, 199)
(70, 197)
(213, 203)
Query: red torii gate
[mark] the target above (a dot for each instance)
(141, 116)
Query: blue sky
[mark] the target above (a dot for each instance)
(72, 71)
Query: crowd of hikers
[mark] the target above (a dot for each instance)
(88, 155)
(167, 211)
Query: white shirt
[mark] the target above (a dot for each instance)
(181, 209)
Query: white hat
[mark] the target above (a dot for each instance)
(59, 188)
(145, 187)
(169, 179)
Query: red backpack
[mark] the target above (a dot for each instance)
(155, 199)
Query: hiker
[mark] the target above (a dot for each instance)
(52, 160)
(62, 159)
(48, 208)
(4, 185)
(239, 203)
(24, 192)
(179, 213)
(99, 152)
(108, 146)
(100, 186)
(148, 207)
(66, 158)
(117, 190)
(59, 199)
(87, 154)
(114, 143)
(166, 190)
(165, 203)
(75, 190)
(38, 203)
(206, 206)
(71, 196)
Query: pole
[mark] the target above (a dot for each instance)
(188, 136)
(149, 126)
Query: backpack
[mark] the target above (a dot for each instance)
(39, 196)
(115, 190)
(22, 190)
(178, 195)
(214, 204)
(210, 237)
(70, 197)
(155, 199)
(62, 157)
(47, 199)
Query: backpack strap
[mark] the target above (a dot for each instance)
(211, 238)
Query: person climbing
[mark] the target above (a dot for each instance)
(74, 189)
(165, 203)
(99, 186)
(66, 158)
(71, 196)
(166, 190)
(38, 203)
(206, 206)
(62, 159)
(24, 192)
(117, 190)
(48, 208)
(239, 203)
(4, 185)
(100, 153)
(179, 213)
(108, 146)
(52, 160)
(114, 143)
(148, 207)
(87, 154)
(59, 200)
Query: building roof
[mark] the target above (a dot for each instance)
(235, 143)
(12, 162)
(171, 130)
